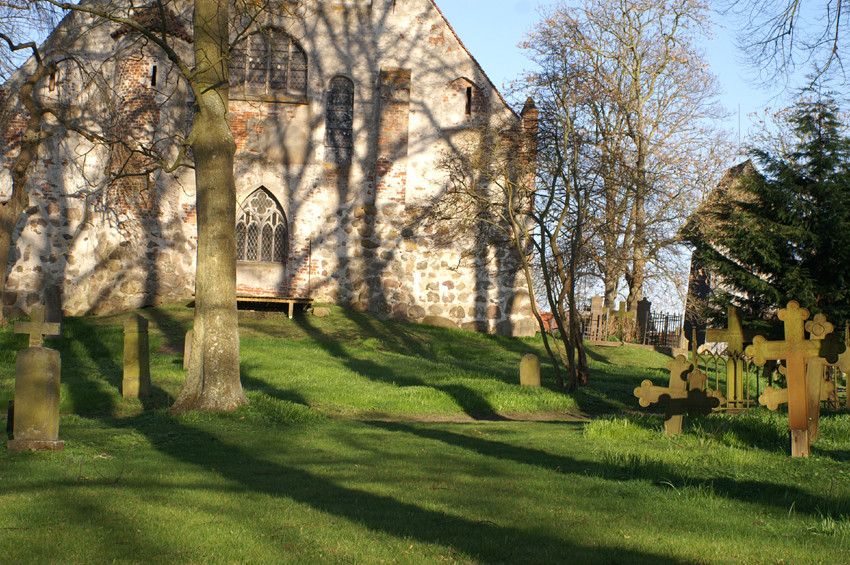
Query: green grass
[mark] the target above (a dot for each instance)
(373, 442)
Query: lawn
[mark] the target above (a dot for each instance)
(374, 442)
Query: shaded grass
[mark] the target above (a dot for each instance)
(343, 457)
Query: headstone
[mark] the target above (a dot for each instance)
(37, 371)
(679, 397)
(529, 370)
(137, 363)
(321, 311)
(597, 327)
(644, 308)
(596, 304)
(796, 351)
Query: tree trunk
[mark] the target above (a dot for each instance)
(11, 210)
(638, 270)
(213, 381)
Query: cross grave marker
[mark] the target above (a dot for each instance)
(678, 396)
(733, 336)
(37, 371)
(796, 351)
(37, 327)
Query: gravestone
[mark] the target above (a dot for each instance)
(37, 370)
(678, 396)
(137, 364)
(187, 349)
(529, 370)
(644, 308)
(597, 327)
(733, 336)
(797, 351)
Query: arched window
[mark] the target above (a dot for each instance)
(261, 230)
(268, 62)
(339, 121)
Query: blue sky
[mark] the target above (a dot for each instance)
(491, 30)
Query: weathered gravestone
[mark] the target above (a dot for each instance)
(798, 352)
(679, 397)
(37, 370)
(597, 324)
(137, 364)
(529, 370)
(644, 309)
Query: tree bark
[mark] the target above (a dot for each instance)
(213, 382)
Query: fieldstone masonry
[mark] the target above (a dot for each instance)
(342, 228)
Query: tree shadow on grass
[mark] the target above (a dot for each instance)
(251, 383)
(88, 360)
(469, 400)
(484, 540)
(779, 496)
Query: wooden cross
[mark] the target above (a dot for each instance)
(677, 397)
(796, 350)
(733, 336)
(37, 327)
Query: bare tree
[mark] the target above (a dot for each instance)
(22, 22)
(512, 189)
(646, 105)
(781, 37)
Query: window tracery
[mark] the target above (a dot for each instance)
(261, 230)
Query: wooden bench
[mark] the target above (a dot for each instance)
(289, 301)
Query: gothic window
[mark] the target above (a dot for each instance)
(339, 122)
(267, 63)
(261, 231)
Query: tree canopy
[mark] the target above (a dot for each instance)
(777, 233)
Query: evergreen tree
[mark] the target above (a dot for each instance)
(781, 235)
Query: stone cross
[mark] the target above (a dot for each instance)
(37, 327)
(37, 371)
(677, 397)
(733, 336)
(796, 351)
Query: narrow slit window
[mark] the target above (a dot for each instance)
(468, 109)
(339, 121)
(52, 83)
(153, 76)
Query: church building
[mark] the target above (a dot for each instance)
(342, 112)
